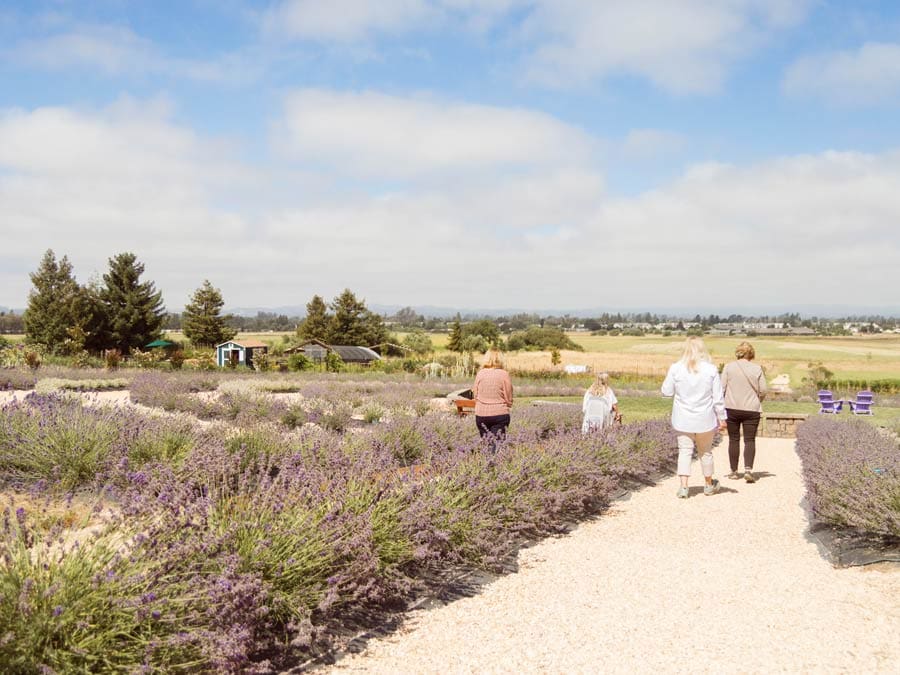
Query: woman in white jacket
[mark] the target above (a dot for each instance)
(698, 408)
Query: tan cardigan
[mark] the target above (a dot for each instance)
(744, 384)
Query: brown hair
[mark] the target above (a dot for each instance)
(745, 351)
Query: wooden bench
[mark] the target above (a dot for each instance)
(464, 406)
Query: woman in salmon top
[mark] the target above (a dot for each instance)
(493, 397)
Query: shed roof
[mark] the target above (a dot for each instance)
(351, 353)
(246, 344)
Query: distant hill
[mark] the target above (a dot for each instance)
(821, 311)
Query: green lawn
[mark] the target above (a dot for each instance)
(637, 408)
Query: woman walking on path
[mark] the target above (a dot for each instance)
(698, 408)
(745, 388)
(493, 397)
(599, 405)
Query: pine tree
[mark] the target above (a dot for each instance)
(454, 344)
(317, 324)
(201, 321)
(54, 304)
(134, 309)
(353, 324)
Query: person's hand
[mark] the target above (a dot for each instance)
(723, 425)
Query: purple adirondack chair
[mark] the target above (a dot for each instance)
(863, 404)
(824, 395)
(829, 407)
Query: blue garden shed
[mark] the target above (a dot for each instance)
(239, 352)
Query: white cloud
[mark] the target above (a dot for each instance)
(682, 46)
(343, 20)
(650, 143)
(111, 49)
(785, 232)
(94, 183)
(870, 74)
(374, 134)
(117, 50)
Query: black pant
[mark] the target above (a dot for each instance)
(495, 425)
(749, 419)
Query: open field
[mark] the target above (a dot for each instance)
(856, 357)
(873, 357)
(853, 357)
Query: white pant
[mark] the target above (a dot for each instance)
(686, 443)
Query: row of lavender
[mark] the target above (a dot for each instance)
(233, 547)
(852, 474)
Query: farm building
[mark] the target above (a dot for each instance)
(316, 350)
(239, 352)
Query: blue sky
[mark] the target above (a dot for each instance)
(533, 154)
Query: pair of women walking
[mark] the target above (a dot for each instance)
(704, 403)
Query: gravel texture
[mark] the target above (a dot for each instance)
(725, 583)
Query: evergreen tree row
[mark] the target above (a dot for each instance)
(121, 313)
(349, 322)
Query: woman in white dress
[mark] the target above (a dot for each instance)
(599, 405)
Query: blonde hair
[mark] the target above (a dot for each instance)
(493, 359)
(600, 385)
(745, 351)
(694, 353)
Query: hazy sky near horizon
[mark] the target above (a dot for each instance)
(464, 153)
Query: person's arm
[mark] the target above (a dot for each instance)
(617, 416)
(762, 387)
(584, 401)
(508, 390)
(475, 386)
(724, 379)
(668, 385)
(719, 402)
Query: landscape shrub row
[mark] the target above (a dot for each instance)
(228, 550)
(882, 386)
(852, 474)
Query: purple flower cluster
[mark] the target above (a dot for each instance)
(852, 474)
(234, 544)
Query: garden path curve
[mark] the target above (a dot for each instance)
(728, 583)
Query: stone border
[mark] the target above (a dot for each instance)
(781, 425)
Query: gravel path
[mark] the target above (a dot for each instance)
(727, 583)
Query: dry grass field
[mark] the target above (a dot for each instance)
(857, 357)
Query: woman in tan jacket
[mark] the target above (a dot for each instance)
(745, 388)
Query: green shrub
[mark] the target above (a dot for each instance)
(299, 362)
(176, 359)
(295, 416)
(373, 413)
(333, 362)
(112, 358)
(170, 446)
(337, 418)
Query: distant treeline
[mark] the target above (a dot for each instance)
(409, 319)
